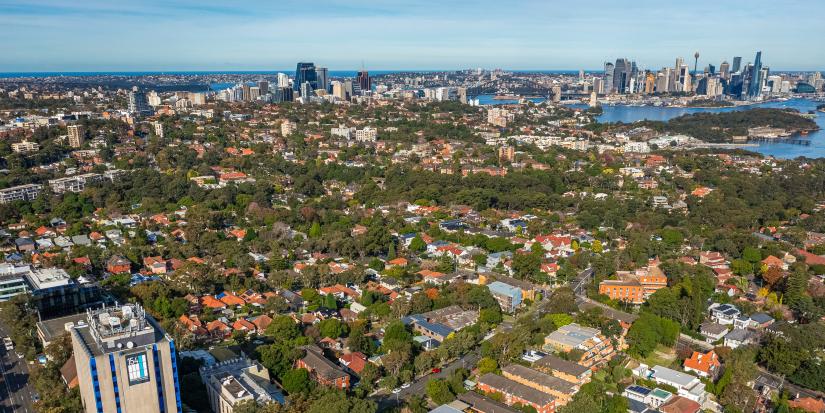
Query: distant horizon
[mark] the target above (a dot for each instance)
(48, 73)
(172, 35)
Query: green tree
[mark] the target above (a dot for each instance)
(332, 328)
(296, 381)
(438, 390)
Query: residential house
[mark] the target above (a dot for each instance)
(712, 332)
(681, 404)
(688, 386)
(724, 314)
(739, 337)
(118, 264)
(703, 364)
(322, 370)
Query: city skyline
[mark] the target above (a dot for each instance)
(399, 35)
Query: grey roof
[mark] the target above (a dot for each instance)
(573, 335)
(508, 386)
(485, 404)
(738, 334)
(761, 318)
(555, 363)
(673, 376)
(539, 378)
(712, 328)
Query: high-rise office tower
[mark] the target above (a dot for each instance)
(622, 73)
(724, 70)
(125, 362)
(283, 80)
(598, 85)
(263, 86)
(581, 75)
(364, 81)
(246, 92)
(138, 104)
(755, 86)
(737, 64)
(305, 73)
(322, 76)
(75, 136)
(608, 78)
(282, 94)
(711, 69)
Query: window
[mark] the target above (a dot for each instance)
(137, 368)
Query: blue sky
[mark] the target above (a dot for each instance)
(101, 35)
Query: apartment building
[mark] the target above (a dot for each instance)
(237, 380)
(596, 348)
(125, 362)
(561, 389)
(20, 193)
(514, 392)
(566, 370)
(634, 287)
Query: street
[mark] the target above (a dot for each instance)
(15, 393)
(418, 386)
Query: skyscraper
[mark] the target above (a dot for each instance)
(755, 86)
(364, 81)
(283, 80)
(737, 64)
(322, 76)
(125, 362)
(622, 73)
(263, 86)
(724, 70)
(608, 78)
(305, 73)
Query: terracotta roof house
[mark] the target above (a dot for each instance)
(679, 404)
(218, 328)
(772, 261)
(262, 322)
(230, 299)
(157, 265)
(212, 302)
(397, 262)
(69, 373)
(354, 362)
(705, 365)
(808, 404)
(118, 265)
(242, 324)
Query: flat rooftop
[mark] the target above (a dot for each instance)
(41, 279)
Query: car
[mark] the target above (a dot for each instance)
(436, 370)
(396, 390)
(405, 386)
(35, 397)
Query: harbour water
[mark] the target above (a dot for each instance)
(630, 114)
(816, 149)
